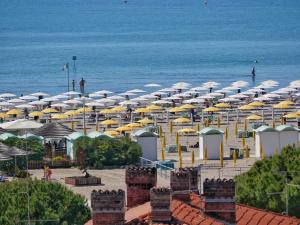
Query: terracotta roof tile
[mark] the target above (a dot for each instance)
(250, 215)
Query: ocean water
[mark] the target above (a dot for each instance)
(121, 45)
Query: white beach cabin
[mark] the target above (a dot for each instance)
(210, 138)
(288, 135)
(268, 138)
(70, 144)
(148, 142)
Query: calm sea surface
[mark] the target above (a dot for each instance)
(121, 46)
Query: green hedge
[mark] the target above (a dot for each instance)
(255, 186)
(101, 152)
(48, 201)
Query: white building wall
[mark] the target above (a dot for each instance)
(149, 147)
(212, 143)
(288, 138)
(269, 141)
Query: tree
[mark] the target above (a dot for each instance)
(48, 201)
(270, 176)
(108, 152)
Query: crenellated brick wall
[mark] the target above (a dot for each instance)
(180, 185)
(160, 199)
(139, 181)
(193, 173)
(108, 207)
(219, 199)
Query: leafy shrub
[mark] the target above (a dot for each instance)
(48, 201)
(101, 152)
(270, 176)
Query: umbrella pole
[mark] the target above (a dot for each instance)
(227, 117)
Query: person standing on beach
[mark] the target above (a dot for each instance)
(253, 72)
(73, 85)
(81, 85)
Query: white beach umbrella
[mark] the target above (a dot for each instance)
(72, 101)
(136, 91)
(193, 101)
(21, 124)
(240, 84)
(223, 91)
(98, 104)
(16, 100)
(62, 105)
(173, 98)
(149, 96)
(50, 99)
(102, 92)
(38, 103)
(24, 106)
(95, 95)
(105, 100)
(6, 104)
(210, 84)
(7, 95)
(181, 85)
(152, 85)
(270, 83)
(199, 89)
(72, 93)
(83, 98)
(39, 94)
(161, 102)
(140, 99)
(229, 100)
(205, 97)
(60, 96)
(116, 97)
(128, 103)
(127, 93)
(239, 95)
(248, 92)
(29, 97)
(295, 83)
(262, 98)
(215, 94)
(272, 95)
(170, 89)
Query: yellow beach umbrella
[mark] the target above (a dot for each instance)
(254, 117)
(49, 110)
(193, 157)
(246, 152)
(112, 133)
(182, 120)
(226, 133)
(170, 128)
(293, 115)
(60, 116)
(222, 105)
(134, 125)
(245, 126)
(106, 111)
(71, 113)
(286, 102)
(176, 109)
(123, 129)
(3, 115)
(14, 112)
(234, 157)
(236, 129)
(142, 110)
(154, 107)
(146, 121)
(180, 156)
(109, 122)
(218, 122)
(187, 106)
(160, 132)
(211, 109)
(282, 106)
(86, 109)
(187, 131)
(36, 113)
(246, 107)
(257, 104)
(118, 109)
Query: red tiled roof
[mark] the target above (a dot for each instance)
(253, 216)
(186, 214)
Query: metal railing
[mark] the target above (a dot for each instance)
(162, 170)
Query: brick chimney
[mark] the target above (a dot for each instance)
(160, 199)
(139, 181)
(193, 173)
(108, 207)
(180, 185)
(219, 199)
